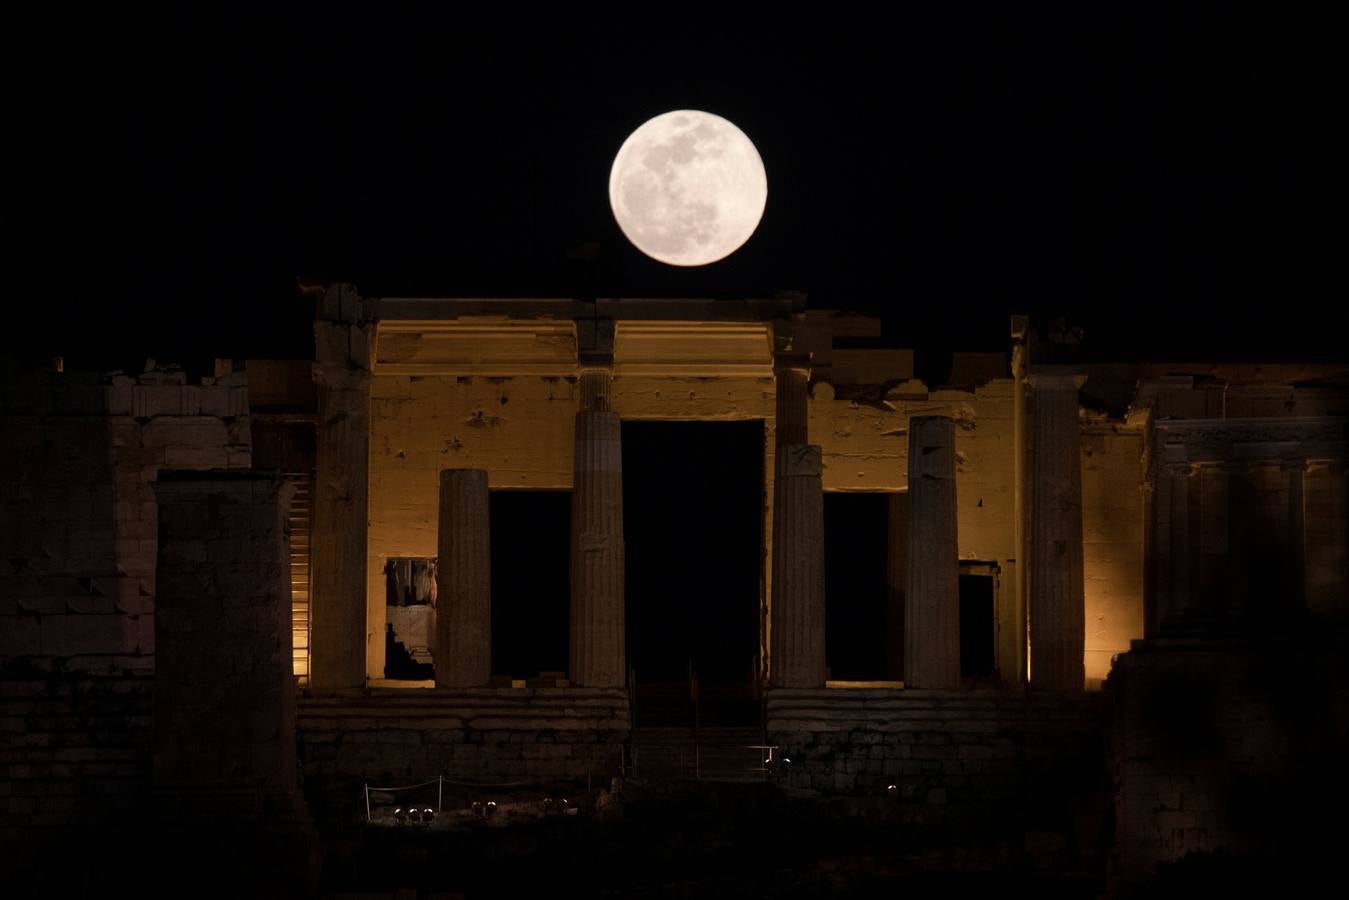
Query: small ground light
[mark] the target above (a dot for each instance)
(892, 790)
(478, 808)
(428, 814)
(491, 808)
(400, 815)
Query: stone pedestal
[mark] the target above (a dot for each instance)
(463, 647)
(932, 598)
(224, 769)
(796, 627)
(1057, 595)
(597, 616)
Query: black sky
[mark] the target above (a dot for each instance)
(1173, 182)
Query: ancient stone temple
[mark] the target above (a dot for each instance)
(933, 586)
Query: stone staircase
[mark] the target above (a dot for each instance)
(722, 754)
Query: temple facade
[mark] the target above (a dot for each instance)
(1106, 498)
(1149, 529)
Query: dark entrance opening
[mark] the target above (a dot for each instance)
(692, 520)
(409, 616)
(976, 626)
(531, 591)
(855, 538)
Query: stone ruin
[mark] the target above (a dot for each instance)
(195, 615)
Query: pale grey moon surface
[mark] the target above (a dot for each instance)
(688, 188)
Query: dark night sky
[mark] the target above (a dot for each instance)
(1175, 185)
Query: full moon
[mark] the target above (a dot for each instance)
(688, 188)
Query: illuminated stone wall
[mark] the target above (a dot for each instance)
(519, 429)
(1112, 541)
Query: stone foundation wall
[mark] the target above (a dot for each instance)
(74, 752)
(941, 748)
(393, 737)
(1230, 747)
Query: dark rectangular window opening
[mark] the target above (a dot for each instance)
(856, 528)
(692, 519)
(976, 626)
(410, 621)
(531, 587)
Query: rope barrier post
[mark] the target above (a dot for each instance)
(440, 791)
(366, 788)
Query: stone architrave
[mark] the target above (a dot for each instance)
(1057, 595)
(932, 598)
(463, 651)
(797, 626)
(598, 657)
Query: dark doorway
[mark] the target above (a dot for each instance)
(976, 626)
(409, 616)
(693, 514)
(855, 538)
(531, 590)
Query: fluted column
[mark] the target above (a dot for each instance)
(797, 627)
(791, 372)
(597, 625)
(932, 598)
(1180, 560)
(341, 621)
(796, 622)
(463, 651)
(1057, 596)
(1297, 533)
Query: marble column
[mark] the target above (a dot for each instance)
(932, 597)
(1211, 553)
(1180, 559)
(463, 651)
(338, 620)
(796, 626)
(896, 583)
(1297, 533)
(791, 371)
(797, 654)
(597, 616)
(1057, 595)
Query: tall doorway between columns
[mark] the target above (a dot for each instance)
(693, 520)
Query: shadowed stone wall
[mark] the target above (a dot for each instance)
(78, 545)
(395, 737)
(1224, 746)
